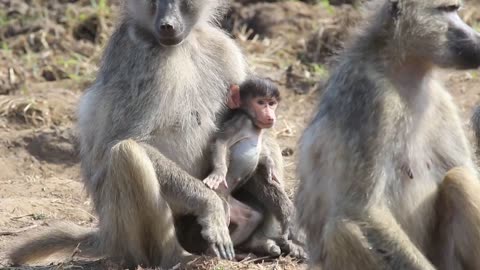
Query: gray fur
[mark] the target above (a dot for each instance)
(237, 153)
(144, 126)
(385, 134)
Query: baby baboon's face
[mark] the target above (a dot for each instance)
(437, 32)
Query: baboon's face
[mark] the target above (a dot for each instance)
(438, 32)
(169, 21)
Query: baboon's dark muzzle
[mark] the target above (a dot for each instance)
(169, 23)
(465, 47)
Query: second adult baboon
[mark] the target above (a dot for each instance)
(379, 184)
(145, 127)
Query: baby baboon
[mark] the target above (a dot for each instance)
(379, 188)
(236, 152)
(239, 140)
(145, 127)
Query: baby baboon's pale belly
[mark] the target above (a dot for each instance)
(244, 156)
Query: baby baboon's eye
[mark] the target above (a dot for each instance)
(449, 8)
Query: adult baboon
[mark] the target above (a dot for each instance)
(379, 184)
(145, 127)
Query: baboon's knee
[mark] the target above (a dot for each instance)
(458, 181)
(344, 246)
(132, 170)
(126, 153)
(459, 190)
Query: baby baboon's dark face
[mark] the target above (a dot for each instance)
(436, 31)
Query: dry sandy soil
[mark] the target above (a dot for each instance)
(49, 52)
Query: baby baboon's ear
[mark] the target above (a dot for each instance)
(234, 101)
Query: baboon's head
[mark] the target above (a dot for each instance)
(431, 30)
(171, 21)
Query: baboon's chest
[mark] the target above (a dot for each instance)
(412, 189)
(193, 87)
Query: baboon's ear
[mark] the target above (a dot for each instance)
(234, 101)
(395, 11)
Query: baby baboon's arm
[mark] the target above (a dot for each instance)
(220, 165)
(229, 134)
(267, 160)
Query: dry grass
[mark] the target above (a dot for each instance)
(29, 110)
(202, 263)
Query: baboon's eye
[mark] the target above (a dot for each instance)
(187, 6)
(449, 8)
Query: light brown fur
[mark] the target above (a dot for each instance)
(377, 163)
(145, 126)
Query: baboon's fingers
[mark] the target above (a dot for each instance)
(225, 182)
(272, 176)
(215, 250)
(231, 251)
(223, 253)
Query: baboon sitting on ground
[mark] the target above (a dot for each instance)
(145, 127)
(387, 175)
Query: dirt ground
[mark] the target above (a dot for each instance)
(49, 51)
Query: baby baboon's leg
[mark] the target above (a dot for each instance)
(245, 218)
(272, 197)
(263, 240)
(137, 225)
(458, 209)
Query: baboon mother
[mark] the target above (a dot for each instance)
(387, 175)
(145, 127)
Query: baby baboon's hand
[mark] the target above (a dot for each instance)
(214, 180)
(271, 176)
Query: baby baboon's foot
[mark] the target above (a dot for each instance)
(264, 246)
(292, 249)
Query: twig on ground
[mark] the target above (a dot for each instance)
(254, 260)
(18, 231)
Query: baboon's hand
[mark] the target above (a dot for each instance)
(214, 180)
(215, 231)
(271, 176)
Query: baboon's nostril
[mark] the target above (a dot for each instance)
(166, 27)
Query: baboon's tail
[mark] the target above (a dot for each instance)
(64, 238)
